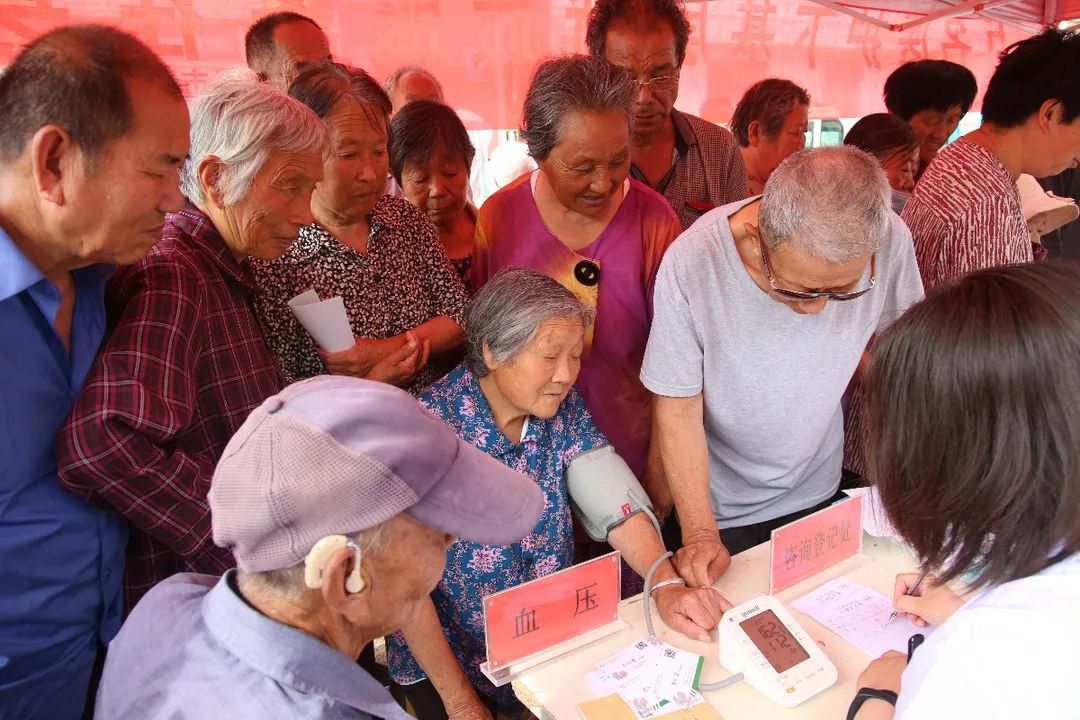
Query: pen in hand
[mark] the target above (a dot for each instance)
(911, 591)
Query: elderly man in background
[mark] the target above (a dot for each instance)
(93, 129)
(763, 312)
(338, 498)
(186, 361)
(409, 83)
(693, 163)
(279, 45)
(769, 124)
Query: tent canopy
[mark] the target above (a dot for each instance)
(1027, 15)
(484, 51)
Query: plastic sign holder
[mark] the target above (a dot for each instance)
(542, 620)
(815, 543)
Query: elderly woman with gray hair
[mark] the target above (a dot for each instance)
(514, 398)
(186, 361)
(583, 221)
(769, 124)
(402, 297)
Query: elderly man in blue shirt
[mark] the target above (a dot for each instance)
(93, 129)
(338, 497)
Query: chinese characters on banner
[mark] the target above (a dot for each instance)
(539, 615)
(484, 51)
(815, 543)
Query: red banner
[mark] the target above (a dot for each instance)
(484, 51)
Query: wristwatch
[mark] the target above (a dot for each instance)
(865, 694)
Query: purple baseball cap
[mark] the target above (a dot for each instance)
(338, 455)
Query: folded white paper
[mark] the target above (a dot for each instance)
(325, 320)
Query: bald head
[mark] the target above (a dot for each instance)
(411, 83)
(280, 45)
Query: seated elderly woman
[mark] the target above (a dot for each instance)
(770, 123)
(430, 157)
(979, 472)
(379, 253)
(186, 360)
(896, 147)
(339, 526)
(514, 398)
(583, 221)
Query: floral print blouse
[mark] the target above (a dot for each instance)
(474, 571)
(403, 280)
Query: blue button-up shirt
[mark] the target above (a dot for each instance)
(61, 560)
(193, 648)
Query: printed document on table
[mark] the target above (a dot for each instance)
(652, 677)
(859, 615)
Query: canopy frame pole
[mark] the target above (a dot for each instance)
(1010, 23)
(974, 7)
(971, 6)
(1050, 12)
(854, 13)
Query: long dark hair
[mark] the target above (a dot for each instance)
(972, 400)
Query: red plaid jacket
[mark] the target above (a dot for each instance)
(185, 364)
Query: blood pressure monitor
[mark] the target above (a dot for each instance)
(761, 639)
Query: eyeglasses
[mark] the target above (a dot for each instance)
(803, 295)
(660, 82)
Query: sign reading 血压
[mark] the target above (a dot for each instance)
(540, 614)
(815, 543)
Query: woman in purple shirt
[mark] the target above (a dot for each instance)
(581, 220)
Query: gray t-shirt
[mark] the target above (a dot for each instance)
(772, 378)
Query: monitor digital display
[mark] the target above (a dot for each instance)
(774, 640)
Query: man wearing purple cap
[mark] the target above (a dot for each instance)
(338, 498)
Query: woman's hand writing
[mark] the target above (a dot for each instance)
(932, 604)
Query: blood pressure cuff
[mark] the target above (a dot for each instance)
(603, 491)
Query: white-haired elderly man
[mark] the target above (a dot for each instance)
(338, 498)
(763, 310)
(186, 361)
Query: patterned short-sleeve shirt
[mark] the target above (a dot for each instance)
(403, 280)
(474, 571)
(965, 215)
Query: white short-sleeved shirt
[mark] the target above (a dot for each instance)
(1011, 653)
(772, 379)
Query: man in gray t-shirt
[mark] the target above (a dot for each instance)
(763, 310)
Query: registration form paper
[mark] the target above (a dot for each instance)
(859, 615)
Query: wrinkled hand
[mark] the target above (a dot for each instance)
(884, 673)
(691, 611)
(468, 708)
(402, 366)
(701, 563)
(931, 604)
(361, 357)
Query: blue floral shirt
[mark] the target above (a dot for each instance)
(474, 571)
